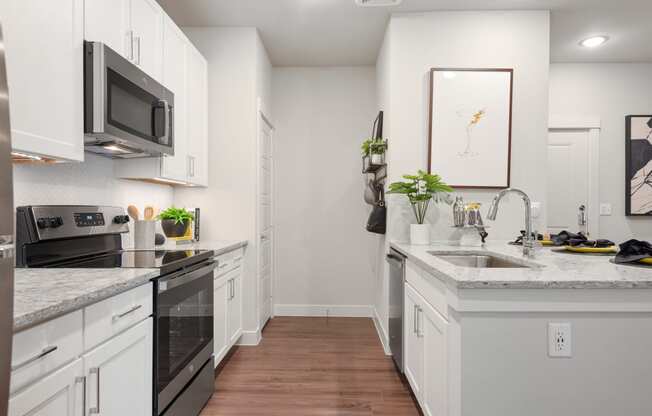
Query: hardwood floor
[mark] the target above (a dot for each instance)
(312, 367)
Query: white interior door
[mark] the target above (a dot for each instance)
(265, 225)
(568, 180)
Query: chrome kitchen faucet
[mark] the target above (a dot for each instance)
(528, 239)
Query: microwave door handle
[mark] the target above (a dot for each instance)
(166, 111)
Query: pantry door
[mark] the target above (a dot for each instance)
(572, 171)
(265, 222)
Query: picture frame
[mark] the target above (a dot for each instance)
(470, 126)
(638, 165)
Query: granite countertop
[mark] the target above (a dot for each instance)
(44, 294)
(219, 247)
(550, 269)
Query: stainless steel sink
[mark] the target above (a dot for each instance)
(479, 260)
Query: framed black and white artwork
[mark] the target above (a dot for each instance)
(638, 165)
(471, 126)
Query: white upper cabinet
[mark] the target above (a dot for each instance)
(174, 78)
(147, 26)
(197, 113)
(133, 28)
(44, 51)
(109, 22)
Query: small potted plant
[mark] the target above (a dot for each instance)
(375, 149)
(420, 190)
(175, 221)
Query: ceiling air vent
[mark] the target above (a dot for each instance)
(377, 3)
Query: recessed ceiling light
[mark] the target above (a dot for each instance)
(377, 3)
(594, 41)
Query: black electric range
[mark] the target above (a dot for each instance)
(91, 237)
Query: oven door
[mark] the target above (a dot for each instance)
(184, 329)
(126, 111)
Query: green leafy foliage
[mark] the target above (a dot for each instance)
(420, 190)
(373, 146)
(177, 214)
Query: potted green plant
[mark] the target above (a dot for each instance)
(375, 149)
(175, 221)
(420, 189)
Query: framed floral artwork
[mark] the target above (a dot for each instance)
(470, 126)
(638, 165)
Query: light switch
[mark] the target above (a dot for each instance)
(605, 209)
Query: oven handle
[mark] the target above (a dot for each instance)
(185, 277)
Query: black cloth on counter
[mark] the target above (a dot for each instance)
(633, 250)
(566, 238)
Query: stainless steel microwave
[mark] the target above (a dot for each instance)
(127, 113)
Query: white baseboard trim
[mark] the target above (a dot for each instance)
(348, 311)
(250, 338)
(384, 339)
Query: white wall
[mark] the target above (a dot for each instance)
(238, 74)
(416, 42)
(610, 92)
(325, 255)
(89, 183)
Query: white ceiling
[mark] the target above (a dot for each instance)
(337, 32)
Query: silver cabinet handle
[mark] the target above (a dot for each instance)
(137, 38)
(237, 258)
(42, 354)
(95, 410)
(414, 320)
(419, 322)
(122, 315)
(83, 381)
(130, 35)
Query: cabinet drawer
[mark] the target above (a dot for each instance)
(105, 319)
(232, 274)
(429, 287)
(229, 261)
(44, 348)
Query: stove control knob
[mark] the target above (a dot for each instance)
(121, 219)
(43, 223)
(56, 222)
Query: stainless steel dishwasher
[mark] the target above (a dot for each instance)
(396, 292)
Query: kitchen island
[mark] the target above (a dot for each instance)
(554, 332)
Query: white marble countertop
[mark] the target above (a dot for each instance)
(44, 294)
(550, 269)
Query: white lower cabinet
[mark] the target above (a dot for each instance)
(227, 312)
(119, 374)
(235, 308)
(425, 353)
(435, 363)
(413, 344)
(59, 394)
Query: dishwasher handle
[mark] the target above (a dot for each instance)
(395, 260)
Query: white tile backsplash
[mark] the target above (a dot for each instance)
(89, 183)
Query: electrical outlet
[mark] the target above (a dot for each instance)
(559, 340)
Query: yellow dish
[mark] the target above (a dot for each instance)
(546, 242)
(612, 249)
(646, 260)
